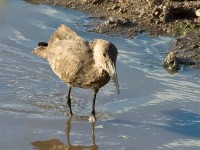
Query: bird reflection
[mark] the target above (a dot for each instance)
(55, 144)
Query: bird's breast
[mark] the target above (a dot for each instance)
(92, 79)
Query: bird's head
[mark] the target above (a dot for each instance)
(105, 55)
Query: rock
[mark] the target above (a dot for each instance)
(86, 1)
(114, 7)
(110, 20)
(122, 10)
(156, 13)
(123, 21)
(170, 63)
(198, 12)
(120, 1)
(91, 1)
(157, 17)
(117, 21)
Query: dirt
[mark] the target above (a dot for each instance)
(187, 49)
(129, 18)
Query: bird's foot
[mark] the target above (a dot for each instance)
(92, 118)
(70, 114)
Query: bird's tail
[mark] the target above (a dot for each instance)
(41, 50)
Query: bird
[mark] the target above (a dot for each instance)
(80, 63)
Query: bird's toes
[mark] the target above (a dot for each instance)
(92, 118)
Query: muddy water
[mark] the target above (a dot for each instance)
(155, 109)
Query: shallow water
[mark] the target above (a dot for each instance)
(154, 110)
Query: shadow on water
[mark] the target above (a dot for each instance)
(56, 144)
(184, 122)
(180, 121)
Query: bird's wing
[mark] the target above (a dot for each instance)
(68, 58)
(63, 33)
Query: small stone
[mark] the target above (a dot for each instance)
(156, 13)
(69, 4)
(194, 46)
(86, 1)
(91, 1)
(164, 7)
(109, 9)
(114, 7)
(123, 21)
(122, 10)
(198, 12)
(120, 1)
(157, 21)
(110, 20)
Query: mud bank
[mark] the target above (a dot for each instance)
(187, 48)
(131, 17)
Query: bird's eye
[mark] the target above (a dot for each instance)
(104, 54)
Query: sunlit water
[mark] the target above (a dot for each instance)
(154, 110)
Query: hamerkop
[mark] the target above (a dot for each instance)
(80, 63)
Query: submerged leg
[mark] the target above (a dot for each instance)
(92, 117)
(69, 101)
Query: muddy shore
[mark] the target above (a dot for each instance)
(155, 110)
(129, 18)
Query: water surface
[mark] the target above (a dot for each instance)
(154, 110)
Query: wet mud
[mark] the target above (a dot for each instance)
(152, 103)
(187, 49)
(129, 18)
(159, 17)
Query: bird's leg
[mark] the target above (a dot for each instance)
(93, 104)
(92, 117)
(69, 101)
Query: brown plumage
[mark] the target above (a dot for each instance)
(80, 63)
